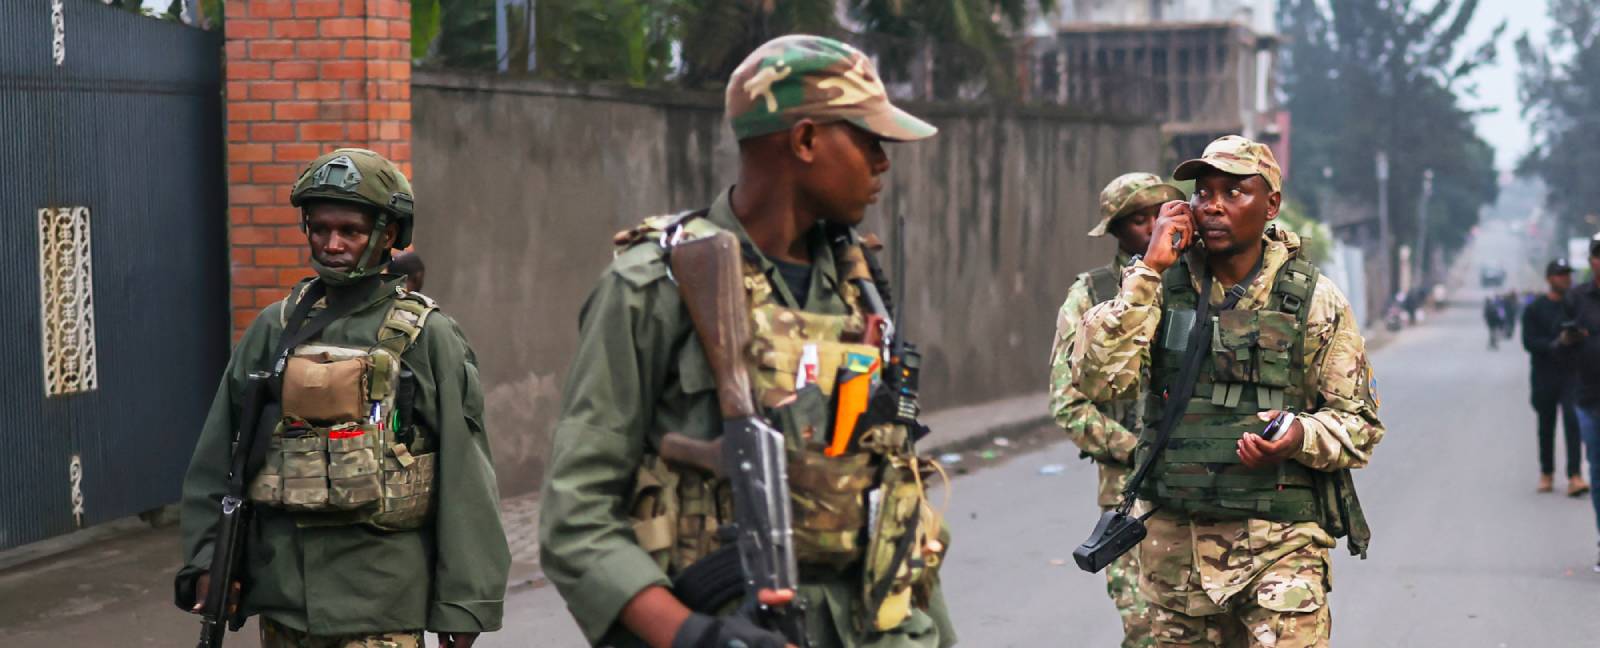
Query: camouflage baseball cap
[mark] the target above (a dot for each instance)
(1236, 155)
(1129, 193)
(800, 76)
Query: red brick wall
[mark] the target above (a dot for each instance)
(303, 77)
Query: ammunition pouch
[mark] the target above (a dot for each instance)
(906, 545)
(676, 513)
(329, 459)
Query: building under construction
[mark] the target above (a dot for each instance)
(1202, 71)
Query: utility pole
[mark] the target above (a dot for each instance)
(1385, 248)
(1422, 227)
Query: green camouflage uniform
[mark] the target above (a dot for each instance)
(1238, 582)
(640, 373)
(1100, 430)
(313, 582)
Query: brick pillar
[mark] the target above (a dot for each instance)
(303, 77)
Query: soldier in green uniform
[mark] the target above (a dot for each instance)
(376, 511)
(1237, 550)
(1108, 432)
(618, 522)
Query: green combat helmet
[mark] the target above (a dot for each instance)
(364, 178)
(811, 77)
(1131, 192)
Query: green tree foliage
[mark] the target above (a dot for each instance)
(697, 43)
(1560, 88)
(1364, 76)
(717, 34)
(967, 39)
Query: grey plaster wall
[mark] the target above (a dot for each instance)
(520, 185)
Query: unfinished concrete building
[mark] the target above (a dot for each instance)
(1203, 69)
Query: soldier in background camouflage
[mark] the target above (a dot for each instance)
(619, 523)
(1215, 575)
(1107, 432)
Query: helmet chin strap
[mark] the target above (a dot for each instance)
(373, 243)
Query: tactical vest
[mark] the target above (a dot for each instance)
(1256, 363)
(848, 510)
(1104, 283)
(337, 457)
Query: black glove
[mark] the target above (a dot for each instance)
(703, 631)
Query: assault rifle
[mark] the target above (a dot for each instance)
(227, 557)
(749, 454)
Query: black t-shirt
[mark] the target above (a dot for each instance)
(798, 277)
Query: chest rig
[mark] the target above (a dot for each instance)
(1256, 363)
(344, 453)
(860, 505)
(1104, 282)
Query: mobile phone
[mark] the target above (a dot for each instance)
(1279, 424)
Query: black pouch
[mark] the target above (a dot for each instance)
(1115, 534)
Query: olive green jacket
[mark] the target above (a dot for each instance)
(640, 373)
(446, 577)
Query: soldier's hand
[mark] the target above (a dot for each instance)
(1176, 220)
(704, 631)
(202, 586)
(457, 639)
(1257, 452)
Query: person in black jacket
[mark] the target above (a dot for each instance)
(1551, 347)
(1583, 303)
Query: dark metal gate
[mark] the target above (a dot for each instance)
(113, 260)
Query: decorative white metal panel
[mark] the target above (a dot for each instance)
(66, 301)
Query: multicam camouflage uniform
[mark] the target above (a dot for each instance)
(1236, 582)
(1102, 430)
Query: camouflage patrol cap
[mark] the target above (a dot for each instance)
(1236, 155)
(1131, 192)
(796, 77)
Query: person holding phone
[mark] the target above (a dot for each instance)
(1552, 341)
(1240, 522)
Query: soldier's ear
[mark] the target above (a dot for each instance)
(803, 140)
(1274, 202)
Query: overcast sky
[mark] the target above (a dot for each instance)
(1497, 84)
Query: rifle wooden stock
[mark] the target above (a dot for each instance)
(710, 278)
(695, 453)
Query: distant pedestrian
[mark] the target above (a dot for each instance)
(1493, 317)
(409, 265)
(1584, 306)
(1550, 344)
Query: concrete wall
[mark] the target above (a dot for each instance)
(522, 183)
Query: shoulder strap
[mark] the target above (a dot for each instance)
(298, 329)
(1180, 392)
(1103, 282)
(402, 325)
(1293, 288)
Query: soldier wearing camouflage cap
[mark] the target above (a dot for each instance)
(377, 454)
(1237, 546)
(619, 524)
(1107, 432)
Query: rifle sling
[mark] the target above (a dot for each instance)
(1178, 396)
